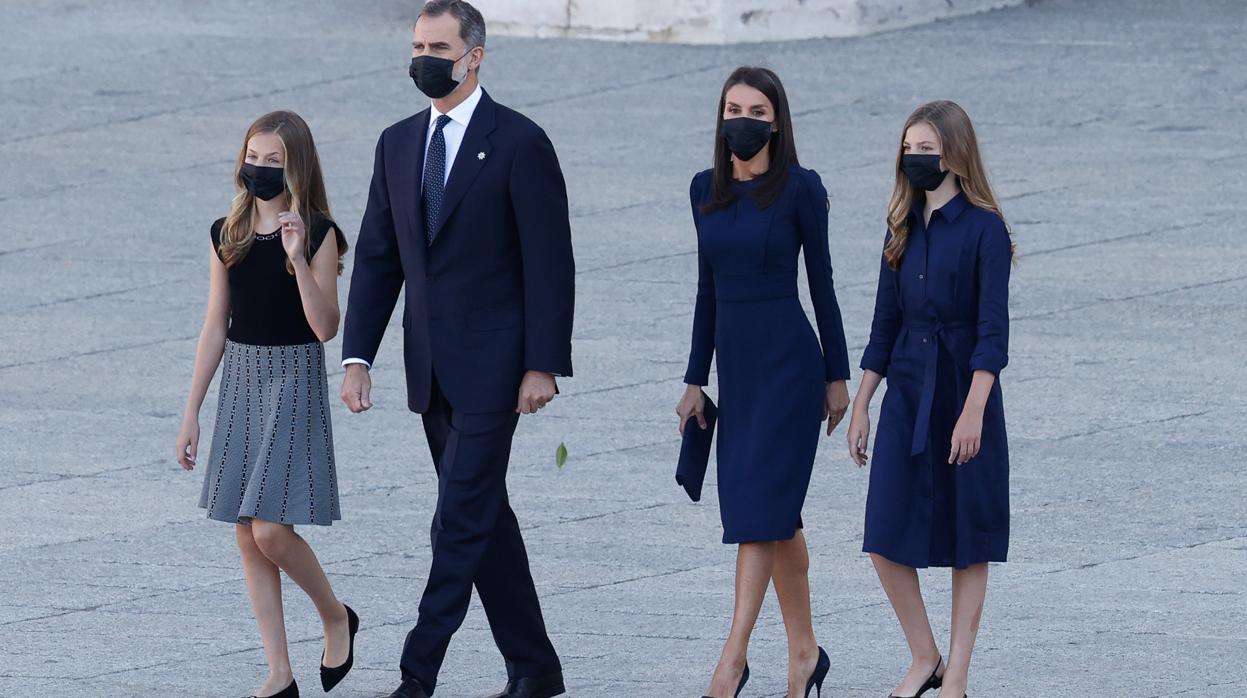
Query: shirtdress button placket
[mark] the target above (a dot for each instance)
(925, 512)
(922, 270)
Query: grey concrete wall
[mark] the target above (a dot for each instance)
(719, 21)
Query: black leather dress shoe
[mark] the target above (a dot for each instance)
(546, 686)
(409, 688)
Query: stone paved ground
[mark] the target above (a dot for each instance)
(1113, 129)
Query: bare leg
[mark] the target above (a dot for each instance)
(264, 587)
(900, 582)
(969, 590)
(754, 562)
(294, 556)
(792, 588)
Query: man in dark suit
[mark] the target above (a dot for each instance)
(468, 209)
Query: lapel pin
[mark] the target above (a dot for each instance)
(480, 155)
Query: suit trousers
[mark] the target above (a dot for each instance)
(476, 542)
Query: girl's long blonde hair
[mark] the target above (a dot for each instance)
(960, 149)
(305, 187)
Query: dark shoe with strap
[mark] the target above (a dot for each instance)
(546, 686)
(935, 680)
(409, 688)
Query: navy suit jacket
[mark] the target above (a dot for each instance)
(493, 296)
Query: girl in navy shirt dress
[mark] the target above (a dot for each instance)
(939, 482)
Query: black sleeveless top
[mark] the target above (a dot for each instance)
(265, 307)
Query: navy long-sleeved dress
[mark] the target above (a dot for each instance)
(943, 315)
(772, 373)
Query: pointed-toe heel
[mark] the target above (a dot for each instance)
(332, 676)
(820, 673)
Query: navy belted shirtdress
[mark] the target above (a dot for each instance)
(772, 373)
(939, 318)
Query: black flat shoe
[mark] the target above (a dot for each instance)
(332, 676)
(820, 673)
(291, 691)
(546, 686)
(744, 679)
(934, 681)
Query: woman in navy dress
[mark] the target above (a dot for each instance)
(939, 485)
(754, 212)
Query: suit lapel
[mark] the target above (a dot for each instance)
(469, 160)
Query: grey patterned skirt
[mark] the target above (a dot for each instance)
(272, 445)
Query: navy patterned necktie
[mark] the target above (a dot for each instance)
(435, 177)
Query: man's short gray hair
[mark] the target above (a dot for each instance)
(471, 23)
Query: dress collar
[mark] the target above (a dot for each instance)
(949, 211)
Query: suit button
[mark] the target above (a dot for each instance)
(430, 278)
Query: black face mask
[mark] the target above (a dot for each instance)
(746, 137)
(434, 76)
(264, 183)
(923, 171)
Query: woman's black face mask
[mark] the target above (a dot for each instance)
(746, 137)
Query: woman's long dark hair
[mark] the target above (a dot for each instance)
(783, 147)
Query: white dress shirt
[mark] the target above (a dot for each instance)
(453, 133)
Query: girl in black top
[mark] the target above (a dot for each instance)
(273, 300)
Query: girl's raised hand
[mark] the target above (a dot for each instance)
(293, 235)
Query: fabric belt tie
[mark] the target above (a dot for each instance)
(922, 426)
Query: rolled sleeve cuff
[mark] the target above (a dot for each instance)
(875, 360)
(995, 363)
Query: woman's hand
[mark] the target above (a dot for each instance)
(293, 236)
(693, 403)
(188, 444)
(835, 404)
(859, 435)
(967, 435)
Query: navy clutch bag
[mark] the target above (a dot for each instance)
(695, 451)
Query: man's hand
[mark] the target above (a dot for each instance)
(357, 388)
(536, 391)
